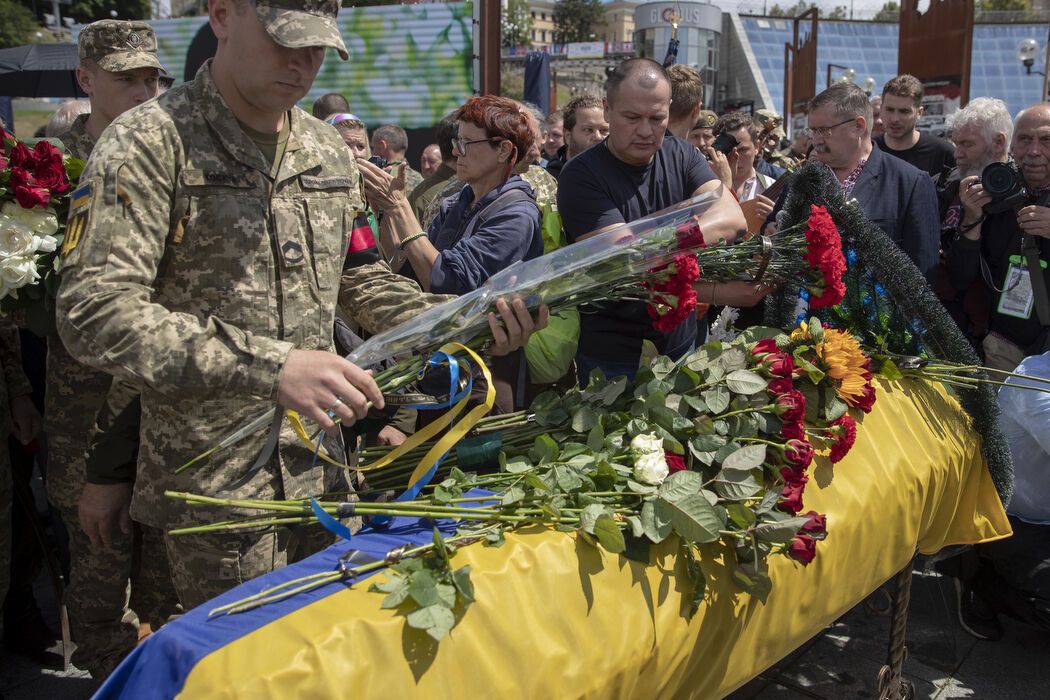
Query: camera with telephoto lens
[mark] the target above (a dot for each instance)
(377, 161)
(1006, 187)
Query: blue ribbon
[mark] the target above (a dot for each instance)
(331, 524)
(413, 490)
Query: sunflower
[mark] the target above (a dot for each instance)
(842, 358)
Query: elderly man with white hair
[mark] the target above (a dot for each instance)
(981, 134)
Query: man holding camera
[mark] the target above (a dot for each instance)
(1004, 238)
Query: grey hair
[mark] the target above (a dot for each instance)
(538, 115)
(848, 100)
(63, 118)
(987, 114)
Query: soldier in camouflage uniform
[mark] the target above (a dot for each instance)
(118, 69)
(214, 225)
(18, 415)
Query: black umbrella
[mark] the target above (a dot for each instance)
(40, 70)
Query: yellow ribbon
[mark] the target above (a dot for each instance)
(440, 447)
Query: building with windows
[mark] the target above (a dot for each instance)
(617, 25)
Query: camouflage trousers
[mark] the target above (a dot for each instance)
(102, 583)
(206, 565)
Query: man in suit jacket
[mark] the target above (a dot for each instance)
(895, 196)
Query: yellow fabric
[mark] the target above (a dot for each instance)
(557, 619)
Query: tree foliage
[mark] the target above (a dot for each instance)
(18, 26)
(84, 11)
(890, 12)
(791, 10)
(838, 12)
(1003, 5)
(576, 20)
(516, 24)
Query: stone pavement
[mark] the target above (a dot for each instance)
(843, 661)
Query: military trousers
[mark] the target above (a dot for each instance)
(112, 590)
(209, 564)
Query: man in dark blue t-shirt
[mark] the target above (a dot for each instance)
(635, 172)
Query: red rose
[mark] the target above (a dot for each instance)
(802, 549)
(816, 526)
(675, 463)
(845, 431)
(791, 494)
(781, 385)
(793, 431)
(798, 453)
(779, 364)
(22, 157)
(689, 235)
(51, 176)
(27, 192)
(791, 407)
(44, 152)
(764, 347)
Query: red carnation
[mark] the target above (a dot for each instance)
(866, 400)
(825, 259)
(798, 453)
(793, 431)
(27, 192)
(791, 407)
(802, 549)
(816, 526)
(791, 494)
(845, 431)
(675, 463)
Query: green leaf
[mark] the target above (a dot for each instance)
(440, 549)
(746, 458)
(704, 425)
(696, 403)
(814, 373)
(733, 358)
(636, 525)
(533, 480)
(685, 380)
(671, 421)
(656, 525)
(461, 580)
(743, 381)
(609, 534)
(589, 516)
(757, 333)
(634, 487)
(423, 588)
(754, 582)
(707, 442)
(446, 594)
(717, 398)
(567, 479)
(692, 517)
(495, 538)
(395, 598)
(681, 485)
(518, 465)
(544, 449)
(737, 485)
(442, 494)
(649, 354)
(584, 419)
(836, 407)
(637, 426)
(435, 620)
(779, 531)
(548, 409)
(742, 516)
(889, 370)
(512, 495)
(613, 390)
(596, 438)
(662, 367)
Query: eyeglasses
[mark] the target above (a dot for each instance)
(825, 131)
(461, 144)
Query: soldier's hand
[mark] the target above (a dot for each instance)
(103, 507)
(517, 326)
(390, 436)
(25, 419)
(314, 382)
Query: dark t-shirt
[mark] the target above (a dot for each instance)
(596, 190)
(929, 154)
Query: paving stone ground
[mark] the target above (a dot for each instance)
(843, 661)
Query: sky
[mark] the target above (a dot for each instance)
(862, 9)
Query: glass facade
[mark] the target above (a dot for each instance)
(870, 49)
(696, 47)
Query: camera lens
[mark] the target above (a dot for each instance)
(999, 179)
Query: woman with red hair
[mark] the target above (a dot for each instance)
(493, 221)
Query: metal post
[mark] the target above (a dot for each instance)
(1046, 68)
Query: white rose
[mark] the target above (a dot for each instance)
(12, 209)
(650, 464)
(18, 272)
(44, 244)
(15, 238)
(44, 222)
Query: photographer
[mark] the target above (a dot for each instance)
(1005, 236)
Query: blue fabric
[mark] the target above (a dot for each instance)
(538, 80)
(508, 235)
(158, 667)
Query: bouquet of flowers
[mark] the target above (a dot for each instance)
(713, 450)
(34, 198)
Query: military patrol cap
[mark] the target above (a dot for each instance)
(299, 24)
(706, 120)
(118, 45)
(771, 121)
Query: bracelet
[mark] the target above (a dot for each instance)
(411, 238)
(966, 228)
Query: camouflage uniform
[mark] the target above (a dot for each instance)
(14, 384)
(450, 188)
(97, 593)
(221, 271)
(425, 192)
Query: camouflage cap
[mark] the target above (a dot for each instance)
(117, 45)
(771, 121)
(706, 120)
(299, 24)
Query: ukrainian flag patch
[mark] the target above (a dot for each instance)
(80, 207)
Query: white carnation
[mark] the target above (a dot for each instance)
(16, 272)
(15, 238)
(650, 465)
(722, 328)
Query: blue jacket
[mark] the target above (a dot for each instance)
(509, 233)
(902, 201)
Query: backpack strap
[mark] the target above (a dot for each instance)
(504, 199)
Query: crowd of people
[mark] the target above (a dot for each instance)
(229, 236)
